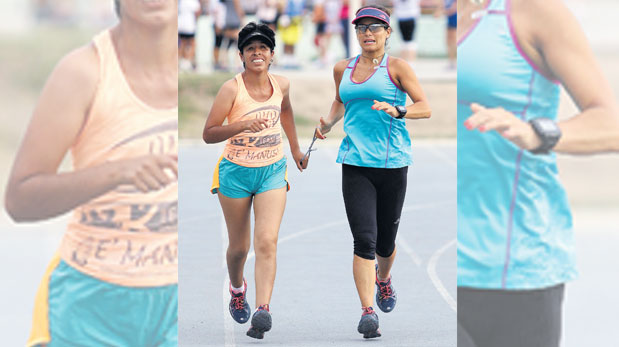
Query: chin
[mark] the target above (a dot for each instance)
(163, 15)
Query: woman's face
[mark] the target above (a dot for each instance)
(372, 41)
(150, 12)
(256, 56)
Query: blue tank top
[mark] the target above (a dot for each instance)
(514, 222)
(373, 138)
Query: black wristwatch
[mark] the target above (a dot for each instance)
(548, 131)
(401, 110)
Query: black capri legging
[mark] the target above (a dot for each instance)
(373, 198)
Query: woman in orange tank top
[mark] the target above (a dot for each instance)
(113, 105)
(253, 168)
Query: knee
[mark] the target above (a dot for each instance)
(238, 251)
(265, 245)
(365, 246)
(385, 250)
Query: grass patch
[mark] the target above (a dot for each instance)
(28, 59)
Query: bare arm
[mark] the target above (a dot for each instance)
(570, 59)
(558, 46)
(407, 80)
(287, 120)
(35, 189)
(214, 131)
(337, 106)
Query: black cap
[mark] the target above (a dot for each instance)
(257, 35)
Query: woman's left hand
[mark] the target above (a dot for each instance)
(298, 155)
(383, 106)
(505, 123)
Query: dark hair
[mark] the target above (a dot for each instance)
(259, 31)
(117, 7)
(378, 7)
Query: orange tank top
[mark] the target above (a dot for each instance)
(125, 236)
(262, 148)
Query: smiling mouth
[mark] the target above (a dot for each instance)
(257, 61)
(369, 41)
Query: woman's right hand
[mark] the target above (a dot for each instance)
(256, 125)
(150, 172)
(323, 128)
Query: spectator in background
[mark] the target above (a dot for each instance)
(267, 13)
(449, 9)
(234, 16)
(320, 19)
(188, 13)
(327, 14)
(407, 11)
(344, 24)
(218, 11)
(290, 26)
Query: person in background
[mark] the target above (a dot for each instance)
(234, 16)
(188, 13)
(407, 11)
(267, 13)
(448, 8)
(290, 25)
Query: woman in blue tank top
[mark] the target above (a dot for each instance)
(515, 242)
(371, 94)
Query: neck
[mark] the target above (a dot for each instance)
(467, 4)
(152, 47)
(256, 78)
(369, 57)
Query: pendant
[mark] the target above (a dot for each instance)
(375, 61)
(478, 14)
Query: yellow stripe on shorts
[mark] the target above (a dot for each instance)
(39, 334)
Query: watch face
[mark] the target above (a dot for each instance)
(547, 125)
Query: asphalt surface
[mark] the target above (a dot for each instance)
(314, 300)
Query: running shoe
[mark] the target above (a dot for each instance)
(368, 325)
(260, 322)
(239, 308)
(385, 294)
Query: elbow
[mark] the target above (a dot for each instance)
(17, 213)
(616, 130)
(427, 113)
(208, 138)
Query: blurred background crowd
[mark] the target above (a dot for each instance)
(310, 33)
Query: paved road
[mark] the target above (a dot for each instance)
(314, 300)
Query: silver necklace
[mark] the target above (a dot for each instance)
(375, 61)
(477, 13)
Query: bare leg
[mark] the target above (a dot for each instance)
(191, 52)
(363, 271)
(269, 210)
(237, 213)
(181, 49)
(385, 264)
(452, 46)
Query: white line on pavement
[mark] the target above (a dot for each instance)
(434, 277)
